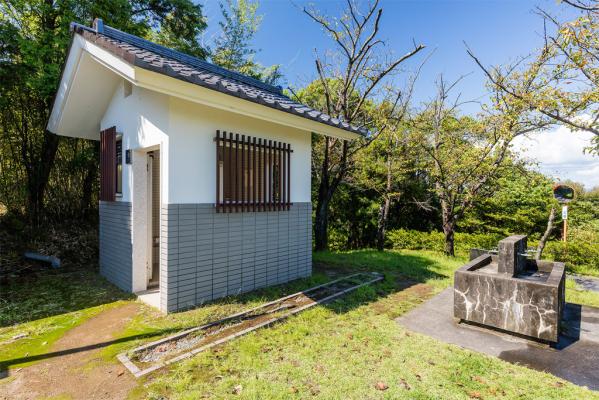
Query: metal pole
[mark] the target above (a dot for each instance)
(565, 220)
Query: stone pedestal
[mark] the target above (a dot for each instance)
(512, 293)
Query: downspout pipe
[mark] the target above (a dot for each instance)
(52, 260)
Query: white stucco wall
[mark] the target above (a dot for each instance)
(185, 132)
(192, 152)
(142, 118)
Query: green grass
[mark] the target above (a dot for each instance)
(336, 351)
(585, 270)
(341, 350)
(54, 292)
(46, 305)
(576, 294)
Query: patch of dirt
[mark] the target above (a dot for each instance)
(409, 292)
(68, 374)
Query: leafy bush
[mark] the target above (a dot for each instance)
(581, 254)
(416, 240)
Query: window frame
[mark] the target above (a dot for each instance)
(254, 176)
(118, 162)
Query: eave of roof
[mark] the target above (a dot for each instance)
(153, 57)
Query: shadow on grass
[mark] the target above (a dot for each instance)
(6, 364)
(401, 271)
(76, 290)
(53, 292)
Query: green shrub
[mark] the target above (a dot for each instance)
(416, 240)
(581, 255)
(337, 240)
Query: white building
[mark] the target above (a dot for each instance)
(171, 221)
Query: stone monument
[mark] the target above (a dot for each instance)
(509, 292)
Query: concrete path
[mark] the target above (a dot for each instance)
(575, 358)
(586, 282)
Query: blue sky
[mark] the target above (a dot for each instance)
(498, 31)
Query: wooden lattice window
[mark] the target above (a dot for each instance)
(252, 174)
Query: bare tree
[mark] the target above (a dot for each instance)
(548, 231)
(465, 153)
(351, 77)
(560, 80)
(591, 5)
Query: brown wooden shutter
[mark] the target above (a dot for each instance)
(108, 164)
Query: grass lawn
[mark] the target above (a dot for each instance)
(338, 351)
(44, 306)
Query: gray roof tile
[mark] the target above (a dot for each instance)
(154, 57)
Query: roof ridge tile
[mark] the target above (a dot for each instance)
(160, 59)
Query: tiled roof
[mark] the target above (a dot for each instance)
(157, 58)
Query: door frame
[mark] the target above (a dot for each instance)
(142, 216)
(150, 219)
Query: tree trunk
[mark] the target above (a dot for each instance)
(354, 233)
(448, 228)
(384, 209)
(38, 176)
(547, 233)
(40, 164)
(382, 223)
(449, 241)
(91, 175)
(321, 225)
(321, 218)
(448, 220)
(326, 190)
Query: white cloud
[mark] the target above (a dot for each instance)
(560, 154)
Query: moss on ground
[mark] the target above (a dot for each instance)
(37, 310)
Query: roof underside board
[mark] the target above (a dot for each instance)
(84, 94)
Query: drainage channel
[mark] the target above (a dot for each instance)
(155, 355)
